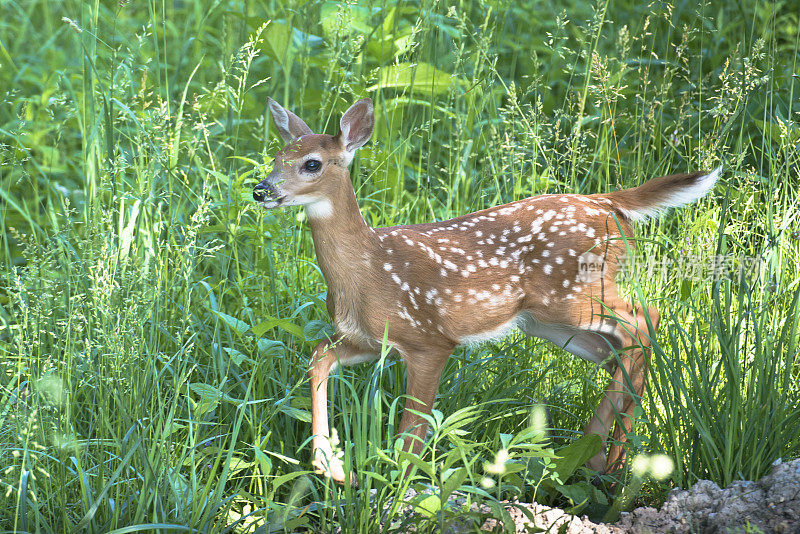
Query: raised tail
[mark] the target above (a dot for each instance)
(659, 194)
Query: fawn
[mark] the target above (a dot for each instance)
(468, 280)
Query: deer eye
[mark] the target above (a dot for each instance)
(312, 165)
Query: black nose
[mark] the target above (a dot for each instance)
(260, 192)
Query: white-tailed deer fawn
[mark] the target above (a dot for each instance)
(467, 280)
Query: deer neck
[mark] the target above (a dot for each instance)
(343, 240)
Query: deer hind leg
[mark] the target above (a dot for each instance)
(629, 377)
(622, 328)
(324, 359)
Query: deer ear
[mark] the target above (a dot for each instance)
(356, 125)
(290, 126)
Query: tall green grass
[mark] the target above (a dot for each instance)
(155, 326)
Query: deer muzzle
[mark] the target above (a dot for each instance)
(267, 194)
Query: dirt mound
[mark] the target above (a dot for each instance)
(771, 505)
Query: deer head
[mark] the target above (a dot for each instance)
(312, 169)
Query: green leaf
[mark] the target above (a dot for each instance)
(264, 461)
(270, 348)
(283, 324)
(375, 476)
(295, 413)
(430, 505)
(180, 487)
(415, 77)
(237, 357)
(317, 330)
(111, 483)
(573, 455)
(210, 397)
(292, 524)
(581, 493)
(453, 482)
(236, 324)
(283, 479)
(460, 419)
(417, 461)
(513, 467)
(277, 38)
(236, 464)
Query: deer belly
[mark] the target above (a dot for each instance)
(495, 333)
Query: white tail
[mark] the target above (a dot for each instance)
(545, 264)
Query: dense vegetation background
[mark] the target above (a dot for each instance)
(155, 325)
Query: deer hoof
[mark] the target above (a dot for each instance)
(598, 462)
(327, 464)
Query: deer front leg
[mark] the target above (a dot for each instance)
(422, 381)
(324, 359)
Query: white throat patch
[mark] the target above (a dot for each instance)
(319, 209)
